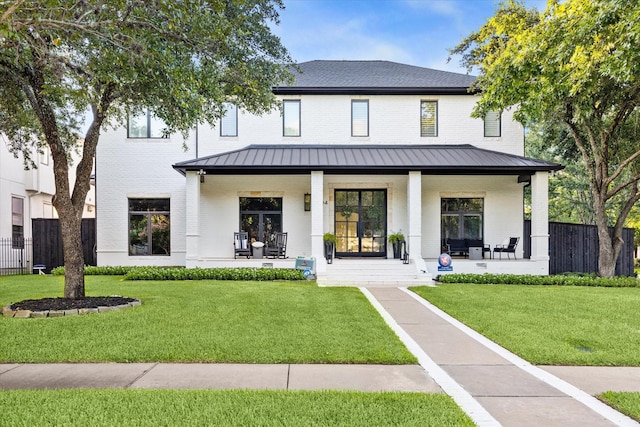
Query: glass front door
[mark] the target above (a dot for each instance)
(261, 217)
(361, 222)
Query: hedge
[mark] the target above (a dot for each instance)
(181, 273)
(558, 280)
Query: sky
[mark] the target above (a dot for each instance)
(414, 32)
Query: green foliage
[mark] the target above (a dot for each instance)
(228, 408)
(559, 325)
(558, 280)
(626, 402)
(202, 321)
(395, 237)
(181, 273)
(329, 237)
(236, 273)
(575, 64)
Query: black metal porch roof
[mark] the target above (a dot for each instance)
(356, 159)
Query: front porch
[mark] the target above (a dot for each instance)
(490, 266)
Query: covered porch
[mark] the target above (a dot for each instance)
(308, 185)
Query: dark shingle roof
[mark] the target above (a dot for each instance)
(374, 77)
(391, 159)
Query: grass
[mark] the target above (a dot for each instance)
(550, 325)
(627, 403)
(202, 321)
(226, 408)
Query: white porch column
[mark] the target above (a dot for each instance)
(414, 212)
(317, 220)
(540, 220)
(192, 213)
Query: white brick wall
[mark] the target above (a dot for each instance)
(142, 168)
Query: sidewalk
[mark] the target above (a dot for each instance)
(492, 385)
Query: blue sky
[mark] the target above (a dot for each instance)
(415, 32)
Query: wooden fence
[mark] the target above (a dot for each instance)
(47, 242)
(574, 248)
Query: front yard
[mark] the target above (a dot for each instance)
(550, 325)
(202, 321)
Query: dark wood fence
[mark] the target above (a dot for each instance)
(47, 242)
(574, 248)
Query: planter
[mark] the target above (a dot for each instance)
(397, 248)
(328, 251)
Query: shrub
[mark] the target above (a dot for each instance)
(90, 270)
(558, 280)
(181, 273)
(243, 273)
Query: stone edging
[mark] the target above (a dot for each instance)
(24, 314)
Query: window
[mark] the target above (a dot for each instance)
(145, 125)
(429, 118)
(261, 217)
(291, 118)
(492, 124)
(360, 118)
(149, 227)
(229, 122)
(17, 222)
(461, 218)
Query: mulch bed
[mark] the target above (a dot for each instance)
(45, 304)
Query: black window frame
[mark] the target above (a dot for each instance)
(435, 130)
(284, 117)
(148, 212)
(460, 213)
(148, 128)
(499, 118)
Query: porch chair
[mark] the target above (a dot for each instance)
(277, 248)
(509, 248)
(241, 244)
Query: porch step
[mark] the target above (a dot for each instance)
(373, 272)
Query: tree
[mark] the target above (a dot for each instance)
(576, 63)
(182, 60)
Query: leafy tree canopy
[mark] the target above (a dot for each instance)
(181, 59)
(577, 63)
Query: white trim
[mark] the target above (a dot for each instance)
(561, 385)
(463, 398)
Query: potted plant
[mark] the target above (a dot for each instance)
(395, 239)
(329, 245)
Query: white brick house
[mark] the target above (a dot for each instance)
(374, 147)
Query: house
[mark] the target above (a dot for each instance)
(359, 148)
(26, 194)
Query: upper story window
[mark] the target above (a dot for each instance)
(229, 122)
(291, 118)
(149, 227)
(145, 125)
(17, 222)
(492, 124)
(359, 118)
(428, 118)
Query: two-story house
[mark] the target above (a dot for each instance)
(360, 149)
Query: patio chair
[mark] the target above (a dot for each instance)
(509, 248)
(241, 244)
(277, 248)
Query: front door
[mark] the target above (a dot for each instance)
(361, 222)
(261, 217)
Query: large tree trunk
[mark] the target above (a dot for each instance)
(610, 244)
(70, 224)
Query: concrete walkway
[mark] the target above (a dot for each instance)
(494, 386)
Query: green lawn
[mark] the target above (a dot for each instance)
(550, 325)
(226, 408)
(202, 321)
(627, 403)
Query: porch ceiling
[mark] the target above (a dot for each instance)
(357, 159)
